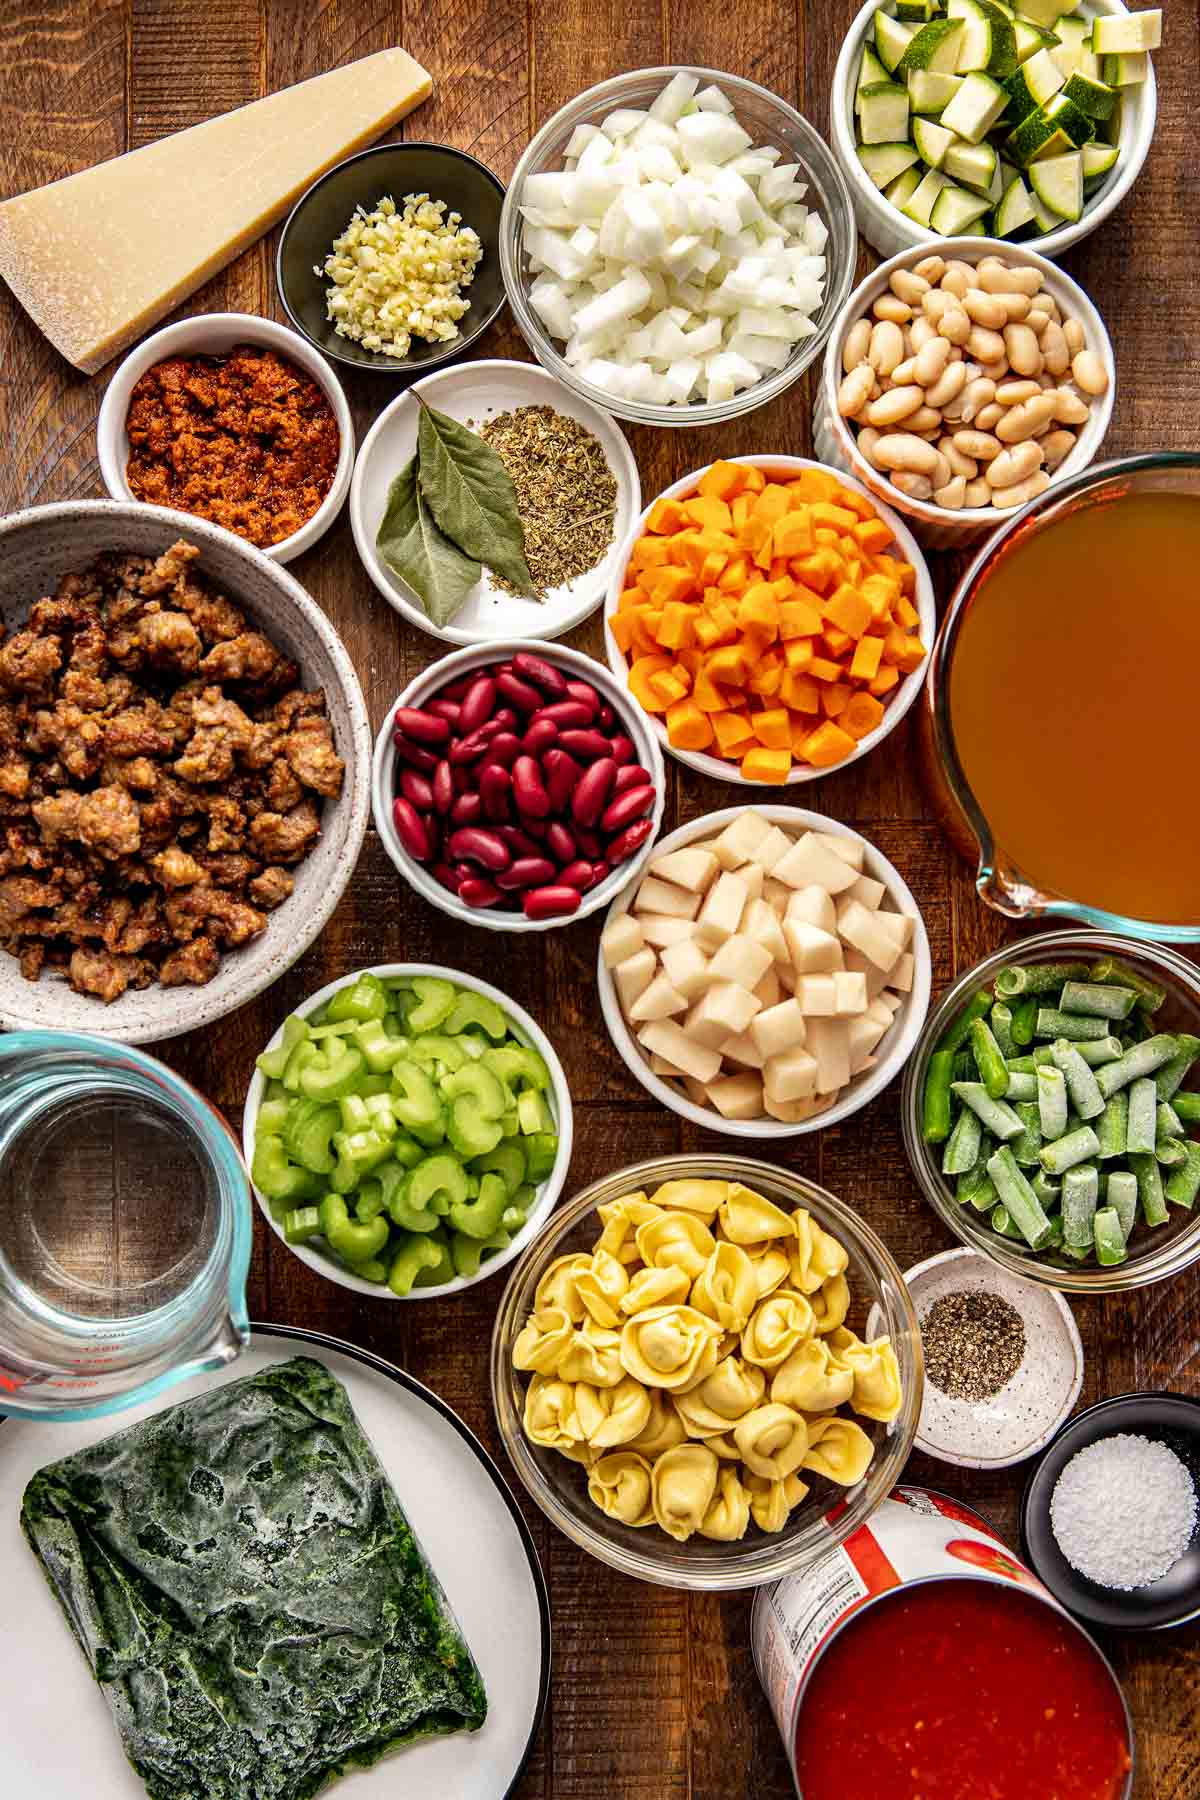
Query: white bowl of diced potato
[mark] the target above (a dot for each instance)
(767, 974)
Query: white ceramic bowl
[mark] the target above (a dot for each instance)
(215, 334)
(524, 1028)
(474, 392)
(836, 441)
(896, 1045)
(895, 708)
(887, 230)
(426, 687)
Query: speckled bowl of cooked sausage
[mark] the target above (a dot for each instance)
(184, 770)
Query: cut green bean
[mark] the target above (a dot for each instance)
(1000, 1019)
(1086, 1097)
(1100, 1051)
(989, 1060)
(1052, 1022)
(956, 1034)
(1052, 1102)
(1167, 1123)
(1098, 1000)
(935, 1121)
(962, 1146)
(1184, 1184)
(1021, 1086)
(1111, 970)
(1108, 1236)
(1150, 1188)
(1187, 1108)
(1026, 1147)
(1121, 1193)
(1075, 1147)
(1055, 1240)
(1113, 1127)
(1170, 1077)
(1024, 1207)
(1002, 1223)
(1019, 979)
(1141, 1130)
(1023, 1065)
(1080, 1192)
(1170, 1152)
(997, 1115)
(1024, 1020)
(1048, 1191)
(1143, 1059)
(982, 1198)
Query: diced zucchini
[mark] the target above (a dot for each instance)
(1030, 86)
(975, 45)
(955, 210)
(883, 113)
(976, 228)
(1058, 183)
(1031, 38)
(935, 47)
(1044, 12)
(1128, 70)
(905, 184)
(892, 38)
(1063, 113)
(1053, 130)
(883, 162)
(920, 204)
(976, 107)
(929, 92)
(1003, 59)
(1073, 50)
(1043, 216)
(1124, 34)
(1014, 211)
(933, 141)
(870, 70)
(1098, 159)
(974, 165)
(916, 11)
(1092, 98)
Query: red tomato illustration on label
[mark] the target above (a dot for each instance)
(987, 1556)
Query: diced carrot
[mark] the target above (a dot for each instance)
(772, 730)
(836, 642)
(733, 733)
(801, 731)
(907, 576)
(668, 687)
(687, 551)
(895, 644)
(816, 484)
(825, 512)
(848, 608)
(834, 698)
(723, 479)
(755, 482)
(707, 509)
(675, 632)
(767, 765)
(800, 693)
(734, 575)
(644, 641)
(740, 510)
(707, 696)
(865, 665)
(772, 503)
(881, 595)
(668, 583)
(666, 516)
(712, 567)
(622, 626)
(906, 613)
(687, 727)
(913, 657)
(861, 714)
(651, 618)
(817, 571)
(631, 597)
(827, 537)
(639, 682)
(873, 534)
(648, 553)
(706, 633)
(821, 669)
(758, 611)
(798, 618)
(729, 664)
(766, 680)
(827, 745)
(725, 619)
(857, 503)
(792, 535)
(798, 654)
(884, 682)
(691, 660)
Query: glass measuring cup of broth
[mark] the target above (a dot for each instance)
(125, 1226)
(1063, 703)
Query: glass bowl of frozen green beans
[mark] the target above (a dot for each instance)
(1051, 1110)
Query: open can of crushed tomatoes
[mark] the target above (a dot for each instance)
(921, 1657)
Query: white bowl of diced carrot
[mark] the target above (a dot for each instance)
(772, 617)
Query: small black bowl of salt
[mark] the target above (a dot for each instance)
(1110, 1517)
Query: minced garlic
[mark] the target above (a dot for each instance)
(399, 275)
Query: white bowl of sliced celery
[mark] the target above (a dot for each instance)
(955, 118)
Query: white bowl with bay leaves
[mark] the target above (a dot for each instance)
(462, 610)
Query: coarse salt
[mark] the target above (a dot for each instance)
(1123, 1510)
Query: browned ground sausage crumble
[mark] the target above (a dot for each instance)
(161, 770)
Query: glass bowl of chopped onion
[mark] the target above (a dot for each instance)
(676, 244)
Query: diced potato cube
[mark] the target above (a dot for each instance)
(658, 1001)
(808, 863)
(869, 891)
(742, 959)
(660, 1066)
(862, 1036)
(693, 867)
(779, 1028)
(850, 989)
(829, 1042)
(743, 1049)
(900, 975)
(790, 1076)
(867, 932)
(881, 1011)
(776, 894)
(862, 965)
(697, 1091)
(767, 990)
(752, 876)
(862, 1065)
(667, 1039)
(892, 1001)
(619, 940)
(767, 852)
(721, 914)
(738, 839)
(812, 951)
(686, 968)
(813, 906)
(664, 897)
(660, 930)
(761, 922)
(632, 977)
(851, 850)
(816, 995)
(787, 977)
(723, 1011)
(794, 1112)
(900, 925)
(737, 1096)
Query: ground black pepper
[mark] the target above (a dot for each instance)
(974, 1342)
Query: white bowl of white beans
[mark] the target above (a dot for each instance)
(1031, 405)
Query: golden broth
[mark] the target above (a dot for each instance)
(1075, 706)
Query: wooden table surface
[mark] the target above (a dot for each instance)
(653, 1693)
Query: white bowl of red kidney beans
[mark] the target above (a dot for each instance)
(516, 787)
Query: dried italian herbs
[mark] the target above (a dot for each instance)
(565, 490)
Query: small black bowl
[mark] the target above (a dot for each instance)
(323, 213)
(1171, 1419)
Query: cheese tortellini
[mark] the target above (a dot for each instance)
(694, 1363)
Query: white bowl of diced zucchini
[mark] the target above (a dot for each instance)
(956, 118)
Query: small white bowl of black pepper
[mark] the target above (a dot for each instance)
(1003, 1361)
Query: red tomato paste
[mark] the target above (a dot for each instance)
(960, 1690)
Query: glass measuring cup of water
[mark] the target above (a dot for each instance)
(125, 1226)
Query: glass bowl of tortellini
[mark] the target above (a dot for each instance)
(679, 1377)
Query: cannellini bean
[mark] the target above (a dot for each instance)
(1075, 335)
(1055, 446)
(942, 472)
(953, 495)
(995, 277)
(995, 371)
(1020, 422)
(979, 444)
(950, 383)
(956, 326)
(887, 347)
(931, 268)
(966, 466)
(1069, 408)
(1011, 393)
(935, 303)
(985, 309)
(984, 345)
(1014, 465)
(901, 450)
(1089, 372)
(975, 396)
(987, 418)
(931, 359)
(893, 406)
(920, 333)
(978, 493)
(926, 421)
(858, 341)
(917, 487)
(855, 391)
(866, 440)
(1011, 497)
(1021, 345)
(1056, 353)
(1016, 306)
(907, 285)
(888, 307)
(905, 373)
(959, 277)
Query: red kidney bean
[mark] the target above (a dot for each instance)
(504, 718)
(626, 808)
(528, 791)
(632, 775)
(585, 693)
(624, 845)
(449, 710)
(577, 874)
(560, 843)
(409, 828)
(475, 891)
(587, 842)
(478, 703)
(415, 755)
(518, 841)
(592, 790)
(448, 877)
(621, 749)
(423, 727)
(542, 673)
(599, 871)
(524, 696)
(606, 718)
(535, 827)
(467, 809)
(539, 737)
(454, 690)
(550, 902)
(416, 789)
(504, 749)
(568, 715)
(584, 743)
(528, 871)
(561, 772)
(473, 844)
(442, 787)
(470, 748)
(493, 790)
(433, 836)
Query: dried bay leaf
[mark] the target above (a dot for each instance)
(470, 493)
(410, 543)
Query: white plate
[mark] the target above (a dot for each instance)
(56, 1721)
(473, 393)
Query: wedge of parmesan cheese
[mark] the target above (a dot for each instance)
(99, 257)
